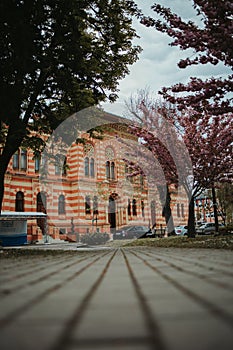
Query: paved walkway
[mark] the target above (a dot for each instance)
(117, 298)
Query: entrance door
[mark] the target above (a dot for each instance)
(41, 204)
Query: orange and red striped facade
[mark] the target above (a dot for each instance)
(92, 194)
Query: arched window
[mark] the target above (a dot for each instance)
(92, 167)
(19, 201)
(108, 169)
(112, 170)
(86, 166)
(134, 207)
(88, 205)
(61, 204)
(95, 205)
(129, 207)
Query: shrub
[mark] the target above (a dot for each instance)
(94, 238)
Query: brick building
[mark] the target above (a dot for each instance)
(90, 192)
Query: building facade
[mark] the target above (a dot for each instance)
(89, 192)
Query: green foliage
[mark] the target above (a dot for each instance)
(60, 57)
(57, 58)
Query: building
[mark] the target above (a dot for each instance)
(87, 189)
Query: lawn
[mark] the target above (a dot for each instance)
(217, 242)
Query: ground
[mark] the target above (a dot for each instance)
(60, 297)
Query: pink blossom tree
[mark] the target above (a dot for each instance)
(205, 105)
(151, 124)
(205, 141)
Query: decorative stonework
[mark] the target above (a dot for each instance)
(109, 153)
(88, 150)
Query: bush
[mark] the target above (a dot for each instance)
(94, 238)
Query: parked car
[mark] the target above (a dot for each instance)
(207, 228)
(121, 232)
(136, 231)
(127, 232)
(181, 230)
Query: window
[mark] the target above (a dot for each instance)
(37, 164)
(129, 207)
(182, 210)
(92, 167)
(44, 164)
(64, 168)
(134, 207)
(143, 209)
(108, 169)
(57, 169)
(16, 160)
(178, 210)
(20, 160)
(19, 201)
(86, 166)
(95, 205)
(112, 170)
(61, 204)
(23, 160)
(87, 205)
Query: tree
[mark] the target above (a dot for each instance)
(58, 58)
(194, 151)
(212, 42)
(206, 98)
(209, 143)
(151, 124)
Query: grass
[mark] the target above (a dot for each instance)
(216, 242)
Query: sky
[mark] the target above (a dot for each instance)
(157, 64)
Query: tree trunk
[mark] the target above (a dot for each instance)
(14, 139)
(215, 210)
(191, 219)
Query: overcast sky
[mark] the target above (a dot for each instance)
(157, 64)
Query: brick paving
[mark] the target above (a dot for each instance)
(117, 298)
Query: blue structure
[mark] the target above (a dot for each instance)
(13, 227)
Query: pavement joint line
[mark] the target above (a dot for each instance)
(213, 309)
(64, 339)
(41, 278)
(211, 268)
(190, 272)
(37, 299)
(152, 326)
